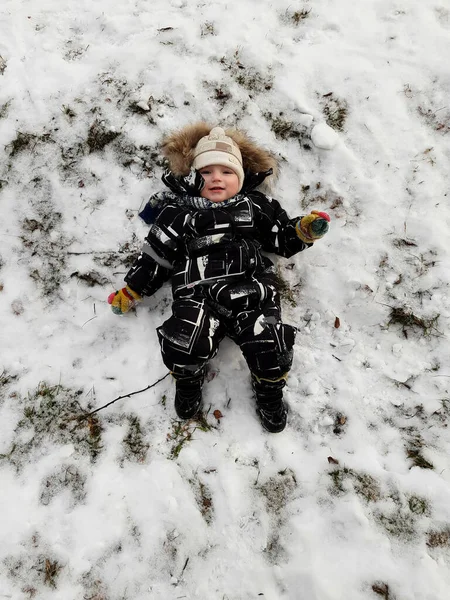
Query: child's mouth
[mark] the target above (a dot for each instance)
(216, 189)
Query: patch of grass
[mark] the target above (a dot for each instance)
(283, 287)
(182, 432)
(67, 477)
(418, 459)
(6, 379)
(274, 550)
(207, 28)
(74, 53)
(52, 415)
(50, 570)
(422, 262)
(3, 65)
(312, 196)
(69, 112)
(203, 497)
(436, 119)
(299, 15)
(94, 588)
(246, 76)
(278, 490)
(4, 109)
(284, 128)
(123, 257)
(44, 243)
(399, 524)
(218, 92)
(34, 570)
(439, 538)
(408, 321)
(26, 141)
(335, 110)
(364, 485)
(135, 447)
(418, 506)
(100, 136)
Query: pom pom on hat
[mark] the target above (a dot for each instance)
(219, 149)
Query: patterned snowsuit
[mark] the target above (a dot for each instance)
(222, 284)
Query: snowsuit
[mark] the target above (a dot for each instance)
(222, 284)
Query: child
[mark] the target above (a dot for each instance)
(207, 235)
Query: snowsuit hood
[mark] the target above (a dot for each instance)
(178, 149)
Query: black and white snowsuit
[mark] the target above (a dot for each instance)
(222, 284)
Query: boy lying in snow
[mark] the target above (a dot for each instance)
(208, 230)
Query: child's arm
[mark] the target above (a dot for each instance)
(285, 236)
(155, 263)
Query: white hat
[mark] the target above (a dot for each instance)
(219, 149)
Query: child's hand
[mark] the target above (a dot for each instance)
(313, 226)
(123, 300)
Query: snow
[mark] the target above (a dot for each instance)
(324, 137)
(133, 504)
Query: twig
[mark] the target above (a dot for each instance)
(125, 396)
(185, 565)
(94, 317)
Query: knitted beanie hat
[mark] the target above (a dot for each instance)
(219, 149)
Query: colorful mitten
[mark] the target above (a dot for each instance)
(123, 300)
(313, 226)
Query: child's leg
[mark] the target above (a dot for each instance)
(189, 339)
(267, 345)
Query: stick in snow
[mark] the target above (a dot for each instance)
(125, 396)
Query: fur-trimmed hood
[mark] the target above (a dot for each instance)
(178, 149)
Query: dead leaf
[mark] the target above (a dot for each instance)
(332, 461)
(217, 414)
(337, 323)
(342, 420)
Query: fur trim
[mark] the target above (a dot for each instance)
(178, 148)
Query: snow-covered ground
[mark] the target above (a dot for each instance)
(351, 502)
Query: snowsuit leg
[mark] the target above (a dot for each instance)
(266, 343)
(190, 337)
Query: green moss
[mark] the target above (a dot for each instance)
(52, 414)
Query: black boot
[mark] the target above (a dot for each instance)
(269, 403)
(188, 395)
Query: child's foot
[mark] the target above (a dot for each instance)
(188, 396)
(273, 419)
(269, 403)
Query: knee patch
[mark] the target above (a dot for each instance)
(191, 335)
(269, 353)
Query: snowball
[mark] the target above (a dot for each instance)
(324, 137)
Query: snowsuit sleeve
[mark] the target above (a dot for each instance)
(276, 231)
(162, 248)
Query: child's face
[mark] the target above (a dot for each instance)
(221, 183)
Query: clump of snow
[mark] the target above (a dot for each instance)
(323, 136)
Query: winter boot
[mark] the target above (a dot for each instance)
(188, 395)
(269, 403)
